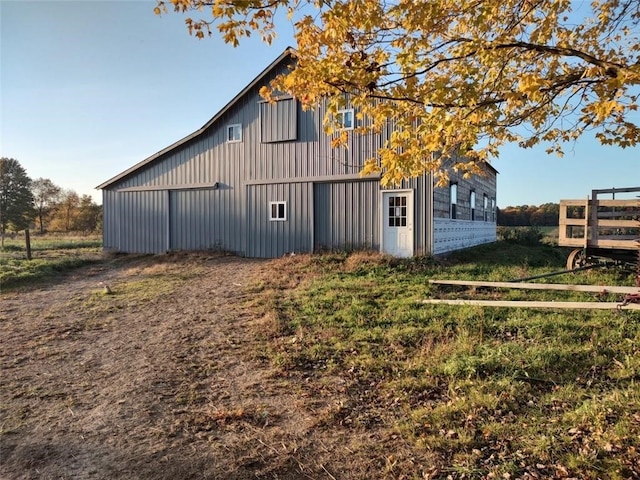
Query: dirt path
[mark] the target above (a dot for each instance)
(170, 388)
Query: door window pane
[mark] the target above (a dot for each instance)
(397, 211)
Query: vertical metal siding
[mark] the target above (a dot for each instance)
(322, 217)
(142, 218)
(110, 220)
(346, 215)
(278, 121)
(268, 239)
(192, 215)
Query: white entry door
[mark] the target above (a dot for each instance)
(397, 223)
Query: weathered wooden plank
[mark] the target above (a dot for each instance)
(608, 241)
(618, 203)
(572, 242)
(534, 304)
(573, 203)
(617, 190)
(571, 222)
(541, 286)
(619, 238)
(620, 213)
(599, 214)
(618, 223)
(621, 244)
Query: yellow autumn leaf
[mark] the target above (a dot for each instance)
(440, 74)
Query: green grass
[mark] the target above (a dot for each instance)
(51, 255)
(487, 391)
(52, 242)
(535, 234)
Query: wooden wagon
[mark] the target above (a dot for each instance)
(602, 229)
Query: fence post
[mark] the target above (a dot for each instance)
(28, 241)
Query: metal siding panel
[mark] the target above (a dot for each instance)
(110, 223)
(339, 221)
(142, 221)
(278, 121)
(290, 127)
(276, 238)
(346, 215)
(321, 216)
(193, 220)
(450, 235)
(254, 228)
(265, 122)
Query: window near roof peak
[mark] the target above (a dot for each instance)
(234, 133)
(345, 119)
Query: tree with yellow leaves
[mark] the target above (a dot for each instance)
(452, 76)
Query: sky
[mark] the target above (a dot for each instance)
(89, 88)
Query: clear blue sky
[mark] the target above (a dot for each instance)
(89, 88)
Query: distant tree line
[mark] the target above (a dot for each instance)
(529, 215)
(41, 204)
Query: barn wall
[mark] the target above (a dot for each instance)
(110, 220)
(223, 218)
(346, 215)
(450, 235)
(208, 193)
(463, 232)
(204, 178)
(481, 184)
(269, 239)
(196, 221)
(142, 221)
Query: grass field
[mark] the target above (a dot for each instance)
(479, 392)
(51, 254)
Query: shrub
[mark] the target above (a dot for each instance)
(521, 235)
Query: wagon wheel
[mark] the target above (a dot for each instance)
(577, 258)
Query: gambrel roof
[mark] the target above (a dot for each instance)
(284, 56)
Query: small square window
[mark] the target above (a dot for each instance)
(234, 133)
(345, 119)
(277, 211)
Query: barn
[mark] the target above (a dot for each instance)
(262, 180)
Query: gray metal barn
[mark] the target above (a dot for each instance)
(262, 180)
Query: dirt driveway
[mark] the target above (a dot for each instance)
(153, 381)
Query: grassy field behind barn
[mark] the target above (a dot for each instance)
(51, 255)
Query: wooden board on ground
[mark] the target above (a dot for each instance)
(541, 286)
(535, 304)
